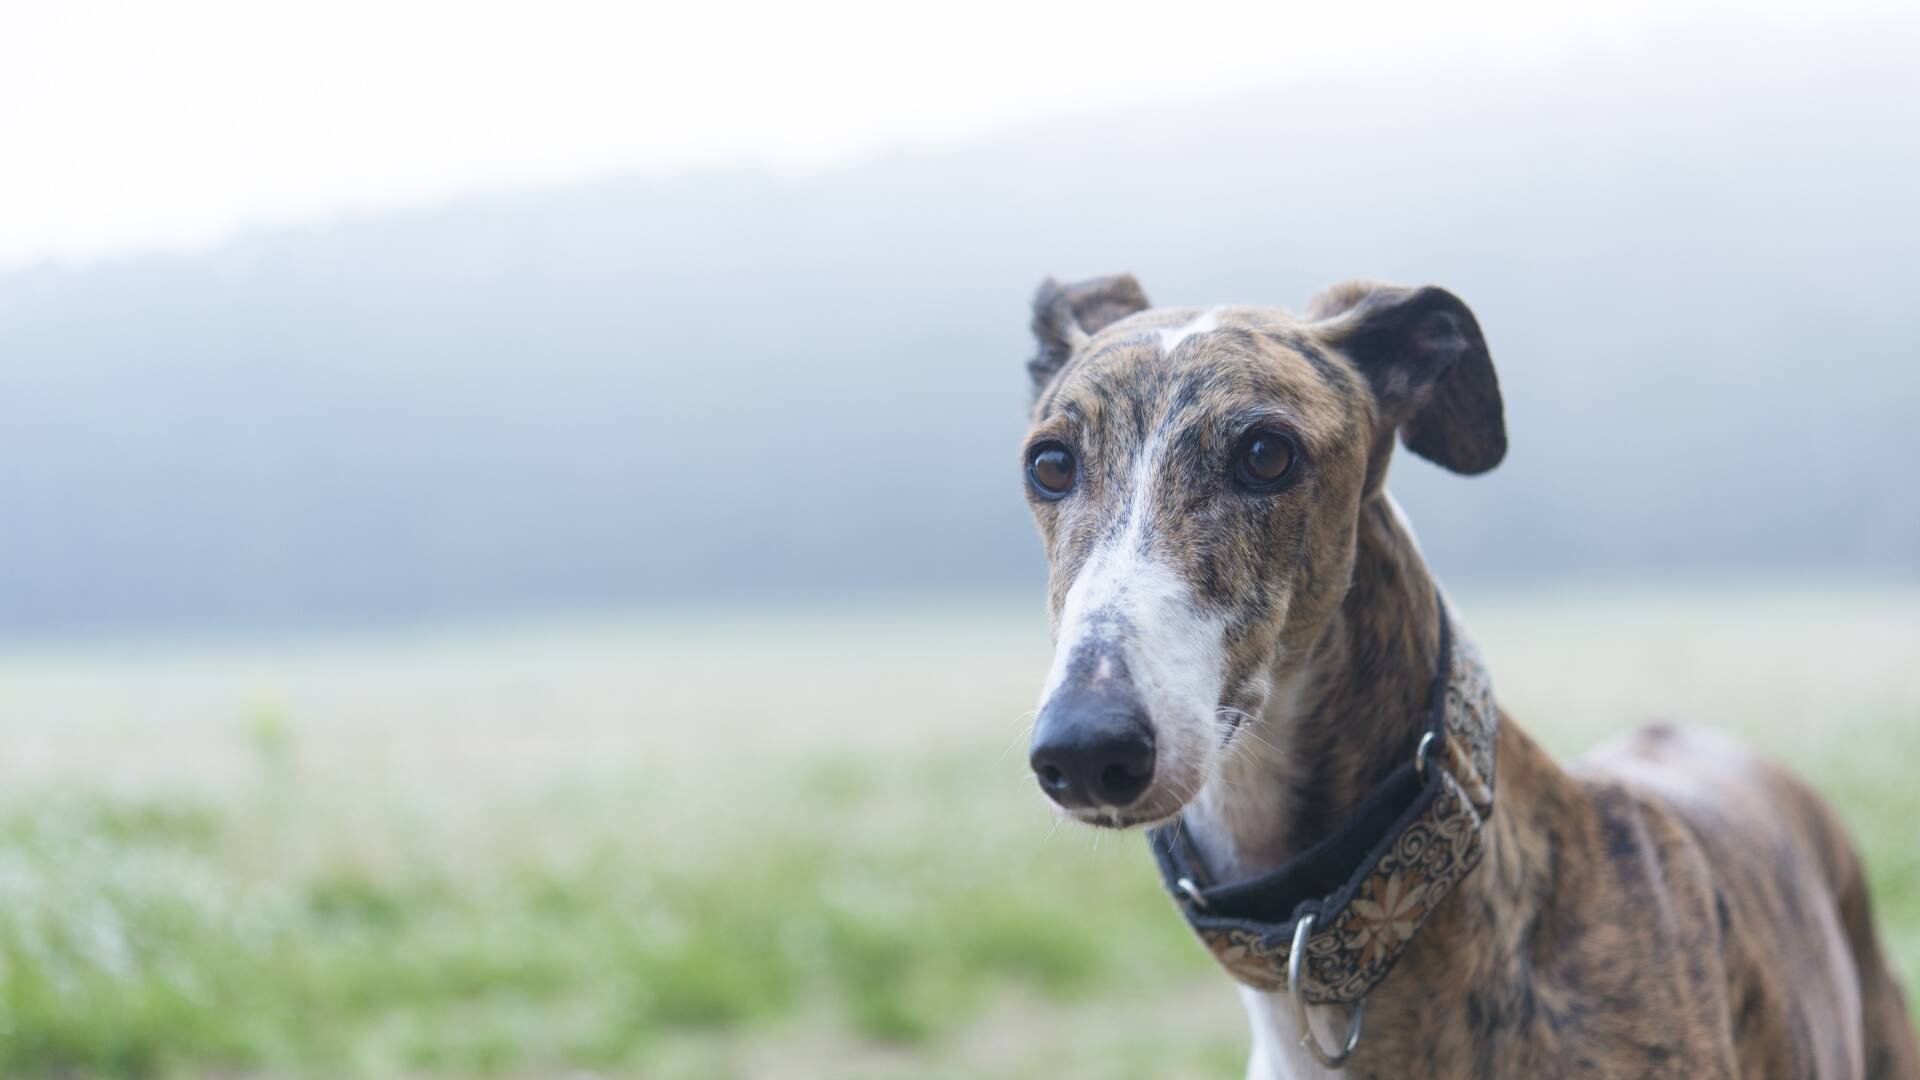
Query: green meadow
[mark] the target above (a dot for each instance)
(746, 843)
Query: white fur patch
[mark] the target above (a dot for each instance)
(1277, 1053)
(1242, 812)
(1206, 323)
(1174, 652)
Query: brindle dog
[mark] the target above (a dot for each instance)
(1246, 635)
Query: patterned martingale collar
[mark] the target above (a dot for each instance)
(1361, 894)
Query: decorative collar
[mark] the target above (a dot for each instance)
(1369, 887)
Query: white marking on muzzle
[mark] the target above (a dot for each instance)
(1129, 602)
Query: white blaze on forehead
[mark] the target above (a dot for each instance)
(1207, 322)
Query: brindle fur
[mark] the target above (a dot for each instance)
(1671, 906)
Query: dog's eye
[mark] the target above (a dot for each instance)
(1050, 470)
(1265, 460)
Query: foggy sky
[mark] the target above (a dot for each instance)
(1694, 270)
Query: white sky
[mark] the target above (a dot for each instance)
(137, 125)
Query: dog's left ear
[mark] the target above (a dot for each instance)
(1422, 352)
(1065, 316)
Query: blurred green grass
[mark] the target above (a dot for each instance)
(776, 843)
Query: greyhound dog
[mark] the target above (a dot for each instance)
(1253, 661)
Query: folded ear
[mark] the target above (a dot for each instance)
(1065, 316)
(1432, 377)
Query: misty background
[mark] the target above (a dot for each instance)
(513, 559)
(1694, 265)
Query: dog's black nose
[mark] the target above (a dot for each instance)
(1092, 749)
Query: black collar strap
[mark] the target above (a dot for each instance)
(1370, 885)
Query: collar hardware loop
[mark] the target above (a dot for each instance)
(1308, 1039)
(1420, 755)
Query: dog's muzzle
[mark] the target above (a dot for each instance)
(1093, 745)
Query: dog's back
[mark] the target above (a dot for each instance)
(1807, 987)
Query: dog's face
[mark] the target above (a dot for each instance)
(1197, 477)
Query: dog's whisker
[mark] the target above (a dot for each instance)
(1248, 732)
(1025, 732)
(1250, 750)
(1193, 789)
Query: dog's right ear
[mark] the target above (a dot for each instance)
(1065, 316)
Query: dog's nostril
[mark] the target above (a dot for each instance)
(1115, 777)
(1121, 782)
(1052, 778)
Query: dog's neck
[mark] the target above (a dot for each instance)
(1347, 717)
(1340, 718)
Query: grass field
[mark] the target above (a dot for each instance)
(756, 844)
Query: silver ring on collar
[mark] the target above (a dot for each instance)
(1420, 755)
(1296, 958)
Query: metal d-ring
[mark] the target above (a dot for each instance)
(1187, 886)
(1295, 958)
(1420, 756)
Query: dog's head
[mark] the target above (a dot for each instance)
(1197, 477)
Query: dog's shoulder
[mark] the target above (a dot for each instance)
(1747, 813)
(1743, 855)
